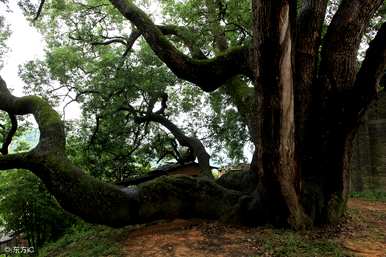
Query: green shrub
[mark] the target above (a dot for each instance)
(374, 195)
(26, 207)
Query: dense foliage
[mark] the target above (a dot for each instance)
(89, 60)
(28, 209)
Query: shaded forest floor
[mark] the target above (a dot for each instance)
(365, 233)
(361, 233)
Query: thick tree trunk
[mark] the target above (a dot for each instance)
(326, 178)
(340, 97)
(275, 159)
(304, 175)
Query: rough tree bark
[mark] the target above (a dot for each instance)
(306, 104)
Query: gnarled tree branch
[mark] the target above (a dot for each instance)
(183, 34)
(15, 161)
(164, 99)
(104, 203)
(207, 74)
(10, 134)
(179, 32)
(39, 10)
(193, 143)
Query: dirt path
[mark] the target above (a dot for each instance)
(363, 233)
(191, 239)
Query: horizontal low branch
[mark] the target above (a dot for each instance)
(15, 161)
(103, 203)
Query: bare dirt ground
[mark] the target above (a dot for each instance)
(362, 233)
(191, 239)
(365, 235)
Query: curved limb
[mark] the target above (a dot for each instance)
(103, 203)
(208, 74)
(10, 134)
(193, 143)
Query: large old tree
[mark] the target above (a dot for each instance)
(298, 87)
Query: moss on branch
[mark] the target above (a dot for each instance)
(104, 203)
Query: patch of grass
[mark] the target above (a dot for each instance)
(85, 240)
(287, 243)
(375, 195)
